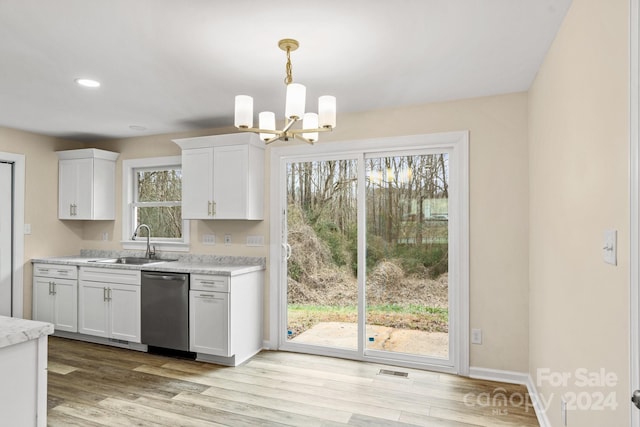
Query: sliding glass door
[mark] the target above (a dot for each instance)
(373, 245)
(407, 265)
(321, 235)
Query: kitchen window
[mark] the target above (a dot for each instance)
(152, 195)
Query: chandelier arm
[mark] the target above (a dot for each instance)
(274, 139)
(290, 123)
(302, 138)
(258, 130)
(299, 131)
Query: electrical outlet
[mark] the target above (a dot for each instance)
(208, 239)
(255, 240)
(105, 236)
(476, 336)
(227, 239)
(27, 229)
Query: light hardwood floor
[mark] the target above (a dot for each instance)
(95, 385)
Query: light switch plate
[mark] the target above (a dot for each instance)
(476, 336)
(208, 239)
(610, 247)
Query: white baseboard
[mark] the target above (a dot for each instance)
(267, 345)
(513, 377)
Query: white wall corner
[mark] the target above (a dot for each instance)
(536, 399)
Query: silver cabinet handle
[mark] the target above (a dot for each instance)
(210, 298)
(214, 208)
(50, 291)
(71, 209)
(54, 288)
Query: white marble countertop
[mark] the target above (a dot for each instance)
(15, 331)
(187, 266)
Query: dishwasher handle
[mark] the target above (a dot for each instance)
(167, 277)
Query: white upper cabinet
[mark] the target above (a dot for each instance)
(222, 177)
(86, 184)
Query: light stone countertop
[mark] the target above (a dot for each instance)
(224, 266)
(15, 331)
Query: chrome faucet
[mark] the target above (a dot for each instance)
(149, 254)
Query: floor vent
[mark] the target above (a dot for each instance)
(394, 373)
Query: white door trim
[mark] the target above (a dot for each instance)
(18, 227)
(458, 142)
(634, 186)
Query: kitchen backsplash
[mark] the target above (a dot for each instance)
(182, 257)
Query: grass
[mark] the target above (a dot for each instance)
(416, 317)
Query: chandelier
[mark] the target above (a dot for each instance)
(312, 123)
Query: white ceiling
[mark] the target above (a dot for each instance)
(176, 65)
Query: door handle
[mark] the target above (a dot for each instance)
(635, 398)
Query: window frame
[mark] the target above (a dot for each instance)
(129, 168)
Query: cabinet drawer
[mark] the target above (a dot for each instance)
(203, 282)
(57, 271)
(110, 275)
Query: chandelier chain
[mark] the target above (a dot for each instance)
(289, 78)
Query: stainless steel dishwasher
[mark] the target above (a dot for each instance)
(165, 310)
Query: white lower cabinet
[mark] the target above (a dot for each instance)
(107, 308)
(225, 316)
(209, 312)
(55, 296)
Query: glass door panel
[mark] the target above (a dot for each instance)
(406, 284)
(321, 240)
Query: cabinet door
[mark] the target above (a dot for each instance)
(230, 176)
(67, 188)
(124, 316)
(197, 183)
(75, 188)
(66, 305)
(43, 299)
(93, 309)
(209, 323)
(84, 185)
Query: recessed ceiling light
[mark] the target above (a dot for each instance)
(138, 128)
(88, 82)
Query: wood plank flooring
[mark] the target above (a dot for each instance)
(95, 385)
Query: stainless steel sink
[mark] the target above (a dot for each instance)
(133, 260)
